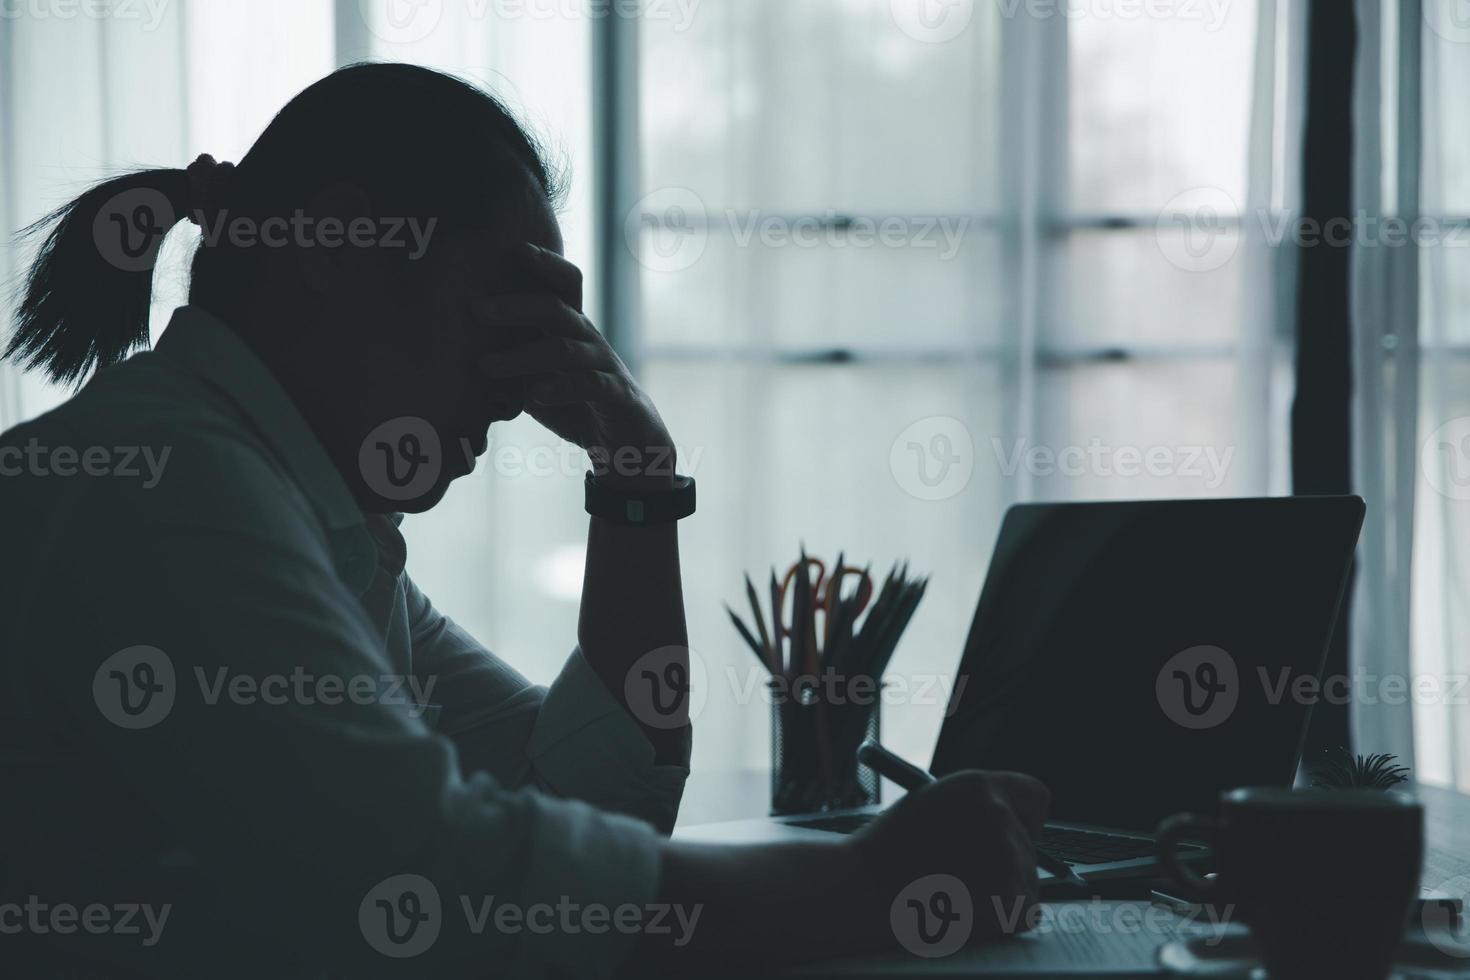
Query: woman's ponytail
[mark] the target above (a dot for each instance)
(87, 298)
(421, 145)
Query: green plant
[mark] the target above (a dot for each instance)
(1340, 769)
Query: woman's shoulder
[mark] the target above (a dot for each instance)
(147, 439)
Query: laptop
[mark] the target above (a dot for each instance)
(1139, 658)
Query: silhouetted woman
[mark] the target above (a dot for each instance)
(228, 709)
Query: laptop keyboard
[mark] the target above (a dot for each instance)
(1086, 847)
(1079, 847)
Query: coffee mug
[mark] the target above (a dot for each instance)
(1323, 878)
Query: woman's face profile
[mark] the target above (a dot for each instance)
(406, 368)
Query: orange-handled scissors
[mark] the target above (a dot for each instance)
(787, 581)
(826, 593)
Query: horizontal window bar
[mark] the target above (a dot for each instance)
(1052, 356)
(673, 218)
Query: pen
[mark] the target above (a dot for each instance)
(910, 777)
(907, 775)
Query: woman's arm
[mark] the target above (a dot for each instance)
(632, 628)
(632, 608)
(574, 740)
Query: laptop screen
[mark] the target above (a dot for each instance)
(1140, 658)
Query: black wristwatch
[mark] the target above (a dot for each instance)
(641, 509)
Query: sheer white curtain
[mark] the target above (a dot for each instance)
(1114, 285)
(1430, 404)
(1386, 366)
(1411, 312)
(866, 225)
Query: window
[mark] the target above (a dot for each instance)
(1441, 540)
(1036, 288)
(900, 265)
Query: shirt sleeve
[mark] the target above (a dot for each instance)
(574, 740)
(310, 808)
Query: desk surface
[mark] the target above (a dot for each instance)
(734, 795)
(1447, 823)
(744, 793)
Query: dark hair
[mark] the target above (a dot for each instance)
(420, 144)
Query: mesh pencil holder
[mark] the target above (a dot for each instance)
(814, 742)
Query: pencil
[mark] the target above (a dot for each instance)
(750, 640)
(760, 624)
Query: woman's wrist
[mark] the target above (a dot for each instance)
(636, 468)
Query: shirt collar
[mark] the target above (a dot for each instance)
(202, 342)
